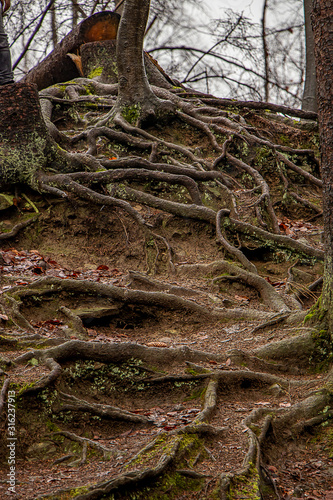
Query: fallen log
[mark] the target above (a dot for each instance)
(58, 66)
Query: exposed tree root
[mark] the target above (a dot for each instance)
(70, 402)
(76, 325)
(162, 452)
(266, 291)
(49, 286)
(214, 176)
(210, 99)
(85, 442)
(17, 228)
(55, 372)
(3, 393)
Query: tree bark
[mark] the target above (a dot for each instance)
(134, 89)
(133, 83)
(322, 22)
(24, 139)
(99, 62)
(265, 50)
(26, 147)
(309, 101)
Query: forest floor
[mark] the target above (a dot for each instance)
(132, 389)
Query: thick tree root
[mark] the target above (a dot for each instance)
(49, 286)
(153, 460)
(266, 291)
(55, 372)
(17, 228)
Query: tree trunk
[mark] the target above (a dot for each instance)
(322, 22)
(134, 89)
(265, 50)
(26, 148)
(133, 83)
(58, 67)
(99, 62)
(24, 139)
(309, 101)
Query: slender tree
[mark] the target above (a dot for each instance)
(322, 22)
(309, 101)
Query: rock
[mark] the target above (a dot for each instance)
(6, 201)
(275, 390)
(37, 450)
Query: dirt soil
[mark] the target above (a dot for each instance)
(139, 370)
(298, 469)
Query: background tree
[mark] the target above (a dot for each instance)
(309, 100)
(219, 55)
(322, 22)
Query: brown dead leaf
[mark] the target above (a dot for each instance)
(241, 298)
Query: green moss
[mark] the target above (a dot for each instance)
(316, 313)
(198, 393)
(89, 90)
(95, 72)
(25, 387)
(170, 485)
(261, 156)
(51, 426)
(20, 164)
(322, 355)
(245, 486)
(162, 445)
(79, 491)
(132, 113)
(174, 484)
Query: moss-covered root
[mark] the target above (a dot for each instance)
(11, 307)
(245, 485)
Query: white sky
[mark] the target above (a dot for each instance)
(251, 8)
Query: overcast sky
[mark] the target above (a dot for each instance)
(251, 8)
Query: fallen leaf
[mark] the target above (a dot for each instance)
(283, 226)
(241, 298)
